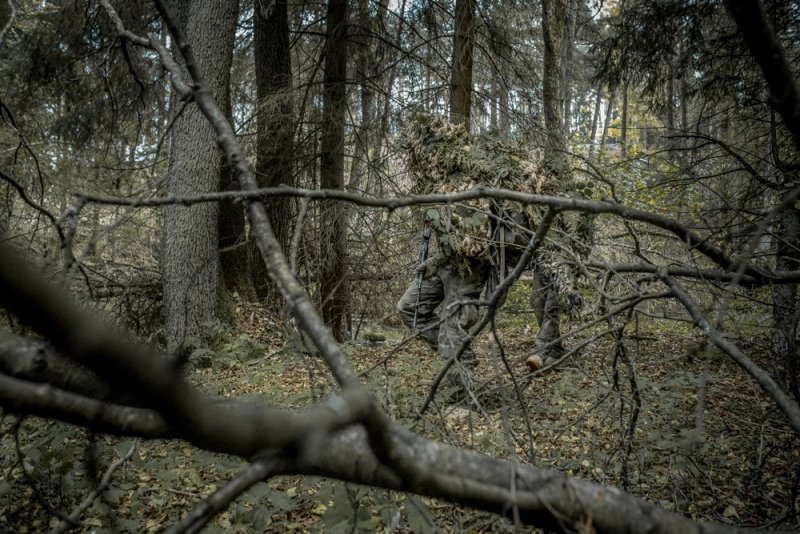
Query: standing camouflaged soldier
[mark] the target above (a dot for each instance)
(554, 282)
(444, 159)
(482, 240)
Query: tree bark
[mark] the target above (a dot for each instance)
(334, 286)
(567, 48)
(276, 121)
(190, 265)
(609, 113)
(598, 99)
(554, 14)
(784, 299)
(461, 70)
(366, 75)
(505, 122)
(670, 113)
(624, 119)
(234, 257)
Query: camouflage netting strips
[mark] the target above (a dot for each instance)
(444, 158)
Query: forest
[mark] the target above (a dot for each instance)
(399, 266)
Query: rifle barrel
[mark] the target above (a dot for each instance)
(423, 255)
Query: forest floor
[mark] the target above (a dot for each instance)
(741, 465)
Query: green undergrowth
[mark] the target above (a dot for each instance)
(632, 423)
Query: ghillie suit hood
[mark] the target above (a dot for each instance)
(444, 158)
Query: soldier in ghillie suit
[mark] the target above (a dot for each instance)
(554, 284)
(477, 241)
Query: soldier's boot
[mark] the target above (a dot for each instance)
(544, 355)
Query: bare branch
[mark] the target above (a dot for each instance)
(30, 202)
(775, 277)
(172, 67)
(788, 406)
(754, 174)
(223, 497)
(151, 43)
(64, 526)
(690, 238)
(47, 401)
(7, 26)
(123, 33)
(544, 497)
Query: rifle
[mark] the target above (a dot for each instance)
(423, 255)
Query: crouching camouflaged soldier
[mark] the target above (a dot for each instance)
(443, 158)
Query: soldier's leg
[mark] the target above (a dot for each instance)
(538, 297)
(458, 316)
(430, 296)
(544, 300)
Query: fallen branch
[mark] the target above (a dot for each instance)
(218, 501)
(543, 497)
(788, 406)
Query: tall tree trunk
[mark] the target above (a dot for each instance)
(495, 91)
(461, 72)
(276, 121)
(609, 113)
(5, 206)
(366, 76)
(567, 47)
(624, 119)
(544, 294)
(785, 310)
(670, 114)
(334, 286)
(598, 99)
(234, 257)
(784, 300)
(684, 145)
(390, 56)
(505, 122)
(190, 265)
(553, 30)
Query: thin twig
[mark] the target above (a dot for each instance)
(8, 23)
(69, 524)
(30, 202)
(218, 501)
